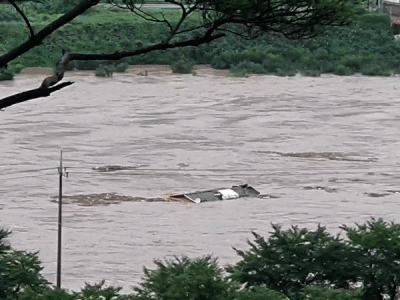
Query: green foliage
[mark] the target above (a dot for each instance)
(8, 14)
(19, 270)
(120, 68)
(246, 67)
(105, 71)
(377, 69)
(366, 46)
(59, 6)
(343, 71)
(327, 293)
(47, 294)
(183, 66)
(98, 291)
(377, 248)
(4, 244)
(259, 293)
(184, 278)
(6, 74)
(300, 263)
(292, 259)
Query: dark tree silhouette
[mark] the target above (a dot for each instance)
(245, 18)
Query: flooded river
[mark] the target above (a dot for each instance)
(320, 150)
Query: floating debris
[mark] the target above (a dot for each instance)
(113, 168)
(376, 195)
(320, 155)
(323, 188)
(99, 199)
(236, 191)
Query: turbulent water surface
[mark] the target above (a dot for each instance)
(320, 150)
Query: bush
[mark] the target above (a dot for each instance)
(343, 71)
(104, 71)
(284, 73)
(120, 68)
(85, 64)
(246, 67)
(184, 278)
(183, 66)
(6, 74)
(375, 70)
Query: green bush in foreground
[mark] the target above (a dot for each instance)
(292, 261)
(184, 278)
(19, 270)
(297, 264)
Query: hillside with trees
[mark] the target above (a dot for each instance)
(190, 25)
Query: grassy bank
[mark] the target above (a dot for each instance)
(367, 46)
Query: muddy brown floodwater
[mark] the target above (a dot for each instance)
(320, 150)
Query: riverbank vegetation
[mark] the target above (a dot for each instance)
(366, 46)
(292, 264)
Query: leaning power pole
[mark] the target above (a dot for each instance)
(61, 172)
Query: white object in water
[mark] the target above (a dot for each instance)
(228, 194)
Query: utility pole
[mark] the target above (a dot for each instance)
(61, 172)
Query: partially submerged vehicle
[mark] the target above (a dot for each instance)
(236, 191)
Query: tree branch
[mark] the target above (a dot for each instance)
(31, 94)
(46, 31)
(12, 2)
(70, 56)
(48, 85)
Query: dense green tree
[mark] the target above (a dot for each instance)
(246, 18)
(19, 270)
(289, 260)
(377, 248)
(184, 278)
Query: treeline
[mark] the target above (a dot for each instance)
(367, 46)
(291, 264)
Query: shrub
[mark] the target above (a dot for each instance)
(353, 62)
(86, 64)
(184, 278)
(283, 73)
(311, 73)
(375, 70)
(120, 68)
(248, 67)
(183, 66)
(343, 71)
(6, 74)
(104, 71)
